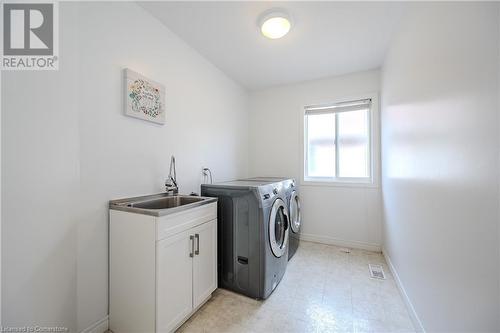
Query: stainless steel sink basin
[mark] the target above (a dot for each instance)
(159, 204)
(167, 202)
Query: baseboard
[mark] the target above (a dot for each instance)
(411, 310)
(341, 242)
(100, 326)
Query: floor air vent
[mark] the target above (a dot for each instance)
(376, 271)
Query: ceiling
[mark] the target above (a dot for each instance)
(327, 38)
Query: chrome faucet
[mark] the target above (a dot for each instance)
(171, 182)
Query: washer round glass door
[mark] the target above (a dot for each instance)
(278, 228)
(295, 216)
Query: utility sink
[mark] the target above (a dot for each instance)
(167, 202)
(159, 204)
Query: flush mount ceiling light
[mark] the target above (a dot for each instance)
(275, 23)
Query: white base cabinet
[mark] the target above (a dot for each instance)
(161, 268)
(204, 270)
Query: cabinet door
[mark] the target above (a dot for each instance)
(174, 280)
(205, 262)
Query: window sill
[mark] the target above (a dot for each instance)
(339, 183)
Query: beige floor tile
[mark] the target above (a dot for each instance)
(293, 325)
(336, 324)
(375, 326)
(323, 290)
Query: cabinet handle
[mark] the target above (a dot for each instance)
(197, 252)
(191, 238)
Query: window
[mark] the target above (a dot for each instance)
(337, 142)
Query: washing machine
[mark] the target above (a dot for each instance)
(293, 204)
(295, 218)
(253, 235)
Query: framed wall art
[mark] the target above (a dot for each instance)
(144, 98)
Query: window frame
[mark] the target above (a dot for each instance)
(374, 146)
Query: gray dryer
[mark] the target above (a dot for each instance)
(253, 228)
(293, 205)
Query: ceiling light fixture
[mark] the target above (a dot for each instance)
(275, 23)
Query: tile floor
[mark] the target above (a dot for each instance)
(324, 290)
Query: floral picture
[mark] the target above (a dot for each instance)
(144, 98)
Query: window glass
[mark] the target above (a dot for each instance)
(353, 141)
(320, 145)
(338, 142)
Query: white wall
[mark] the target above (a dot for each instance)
(440, 164)
(499, 169)
(0, 199)
(67, 149)
(341, 215)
